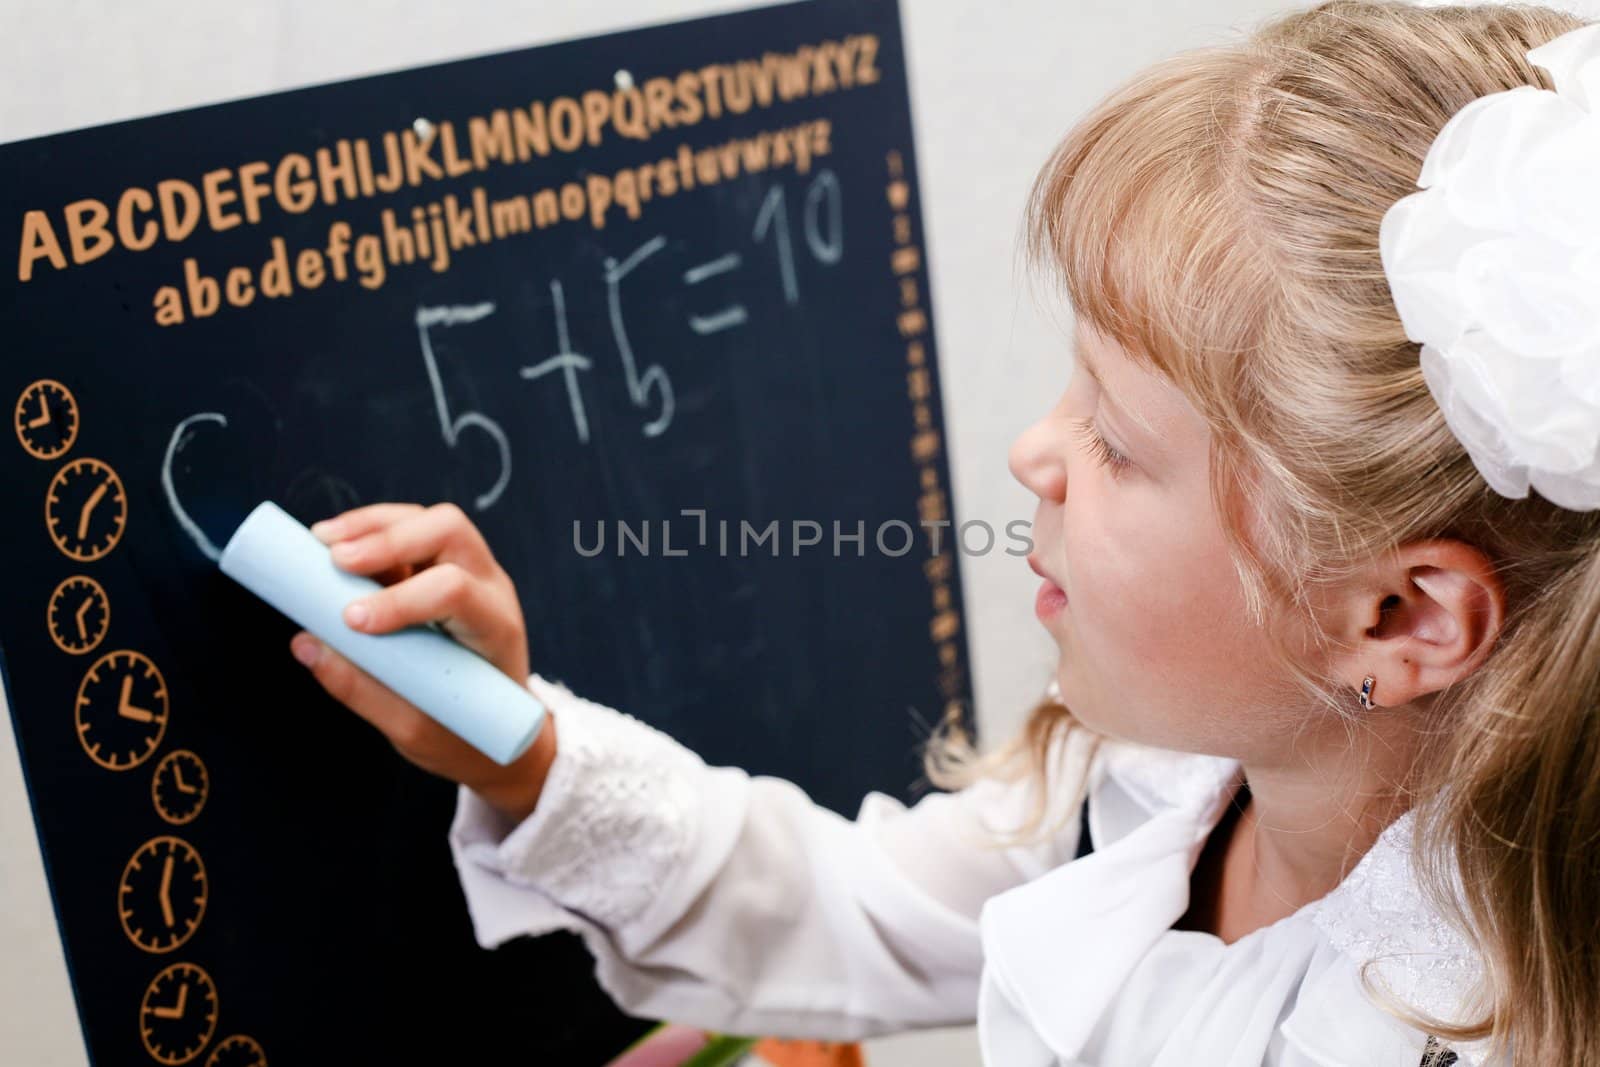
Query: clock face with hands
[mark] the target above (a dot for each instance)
(86, 509)
(79, 615)
(180, 786)
(178, 1014)
(161, 896)
(46, 419)
(121, 711)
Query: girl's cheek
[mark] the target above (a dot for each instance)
(1097, 569)
(1102, 531)
(1121, 579)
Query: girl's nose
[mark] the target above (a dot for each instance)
(1037, 464)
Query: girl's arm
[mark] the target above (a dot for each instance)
(707, 896)
(731, 902)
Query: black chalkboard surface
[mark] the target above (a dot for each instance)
(664, 287)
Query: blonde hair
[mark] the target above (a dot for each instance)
(1218, 217)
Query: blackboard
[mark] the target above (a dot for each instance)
(733, 377)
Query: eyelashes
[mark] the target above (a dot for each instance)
(1099, 447)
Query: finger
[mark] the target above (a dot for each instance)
(443, 593)
(440, 534)
(363, 694)
(358, 521)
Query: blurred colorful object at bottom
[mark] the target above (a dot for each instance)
(809, 1054)
(673, 1045)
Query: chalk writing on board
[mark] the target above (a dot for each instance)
(730, 316)
(565, 360)
(456, 315)
(648, 384)
(827, 250)
(181, 435)
(825, 187)
(639, 385)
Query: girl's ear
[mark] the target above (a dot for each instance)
(1423, 619)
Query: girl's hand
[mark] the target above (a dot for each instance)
(435, 567)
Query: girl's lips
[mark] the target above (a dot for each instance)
(1051, 599)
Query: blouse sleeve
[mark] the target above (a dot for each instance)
(734, 902)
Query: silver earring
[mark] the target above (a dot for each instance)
(1366, 692)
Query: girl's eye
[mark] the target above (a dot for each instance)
(1099, 447)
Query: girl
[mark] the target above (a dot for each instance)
(1316, 780)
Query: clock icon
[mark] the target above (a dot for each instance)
(79, 615)
(180, 786)
(47, 419)
(161, 896)
(237, 1051)
(178, 1013)
(86, 509)
(121, 710)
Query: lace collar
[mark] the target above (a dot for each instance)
(1380, 913)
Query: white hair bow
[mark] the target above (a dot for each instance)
(1495, 270)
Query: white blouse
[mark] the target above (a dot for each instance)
(731, 902)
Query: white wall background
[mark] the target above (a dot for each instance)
(994, 85)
